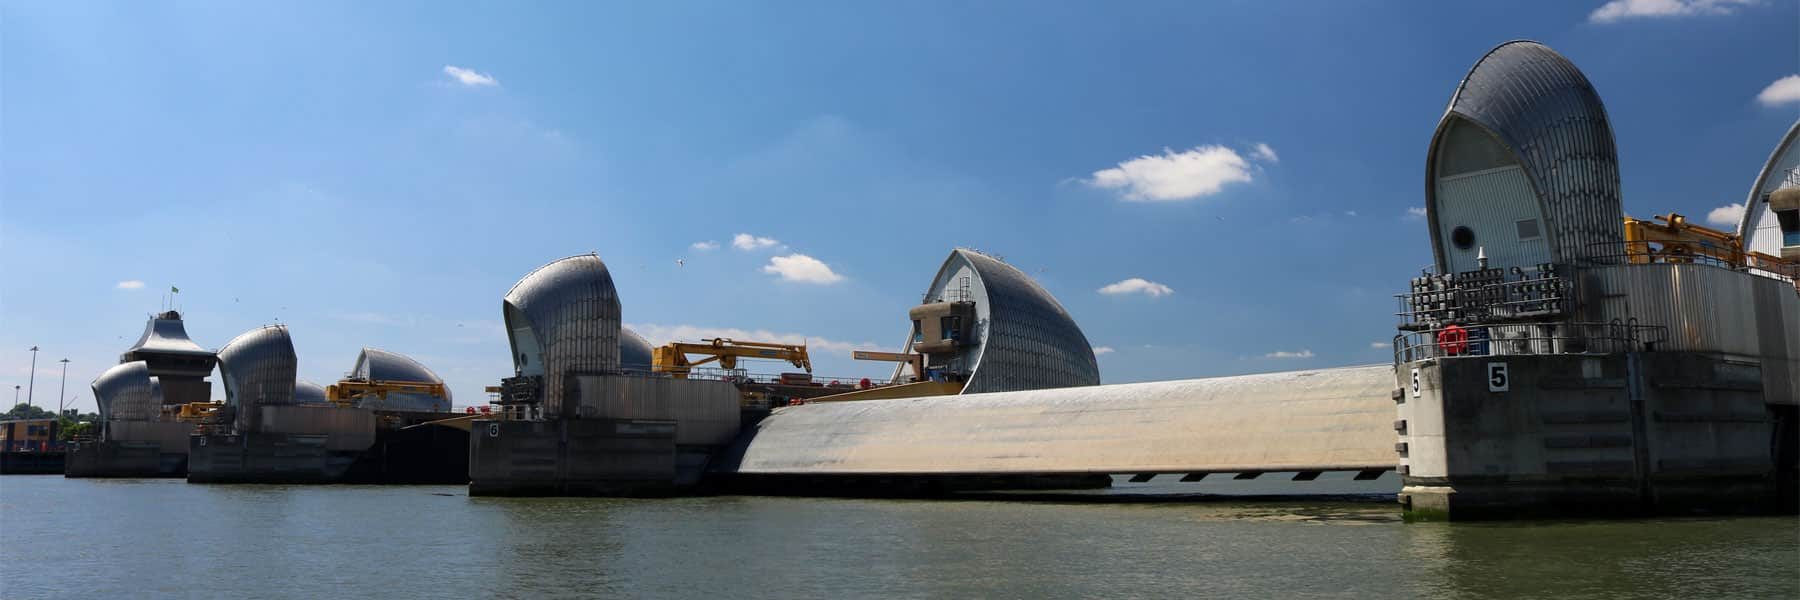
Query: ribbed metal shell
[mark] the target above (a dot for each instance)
(1546, 113)
(1028, 341)
(165, 334)
(307, 392)
(1760, 231)
(125, 393)
(564, 318)
(375, 364)
(634, 351)
(258, 369)
(1711, 309)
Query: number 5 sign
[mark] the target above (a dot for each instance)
(1498, 378)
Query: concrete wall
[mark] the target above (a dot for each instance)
(344, 428)
(571, 457)
(265, 458)
(1296, 421)
(169, 436)
(1651, 432)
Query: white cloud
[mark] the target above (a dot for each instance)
(1202, 171)
(1726, 216)
(1380, 345)
(1099, 350)
(1137, 285)
(1415, 212)
(706, 246)
(801, 268)
(469, 77)
(663, 334)
(1264, 153)
(1619, 10)
(1784, 91)
(745, 241)
(1287, 354)
(1349, 213)
(130, 284)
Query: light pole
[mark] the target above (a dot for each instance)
(62, 389)
(31, 384)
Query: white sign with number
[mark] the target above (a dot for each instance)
(1415, 386)
(1498, 378)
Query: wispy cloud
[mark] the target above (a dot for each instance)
(1264, 153)
(470, 77)
(663, 334)
(1171, 176)
(130, 284)
(745, 241)
(1287, 354)
(1099, 350)
(1726, 216)
(1137, 285)
(802, 268)
(1380, 345)
(1783, 91)
(1620, 10)
(706, 246)
(1415, 213)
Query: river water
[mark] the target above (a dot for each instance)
(146, 538)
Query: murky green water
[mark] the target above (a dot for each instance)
(129, 539)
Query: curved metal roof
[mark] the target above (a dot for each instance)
(375, 364)
(634, 351)
(165, 334)
(307, 392)
(1773, 176)
(1028, 340)
(126, 392)
(1543, 110)
(258, 369)
(562, 318)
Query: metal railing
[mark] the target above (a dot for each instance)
(1527, 339)
(1437, 300)
(1645, 253)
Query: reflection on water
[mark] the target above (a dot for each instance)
(157, 537)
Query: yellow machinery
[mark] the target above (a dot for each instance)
(348, 391)
(194, 412)
(672, 358)
(912, 358)
(1671, 239)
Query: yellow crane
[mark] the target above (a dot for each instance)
(672, 358)
(346, 392)
(1678, 241)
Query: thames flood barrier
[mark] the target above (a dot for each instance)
(140, 433)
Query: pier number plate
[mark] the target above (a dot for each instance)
(1498, 378)
(1415, 383)
(493, 430)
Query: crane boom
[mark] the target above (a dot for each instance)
(672, 358)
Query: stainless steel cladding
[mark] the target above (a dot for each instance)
(124, 393)
(258, 369)
(1332, 419)
(1548, 119)
(165, 334)
(344, 428)
(1025, 340)
(1711, 309)
(705, 412)
(1759, 228)
(634, 352)
(563, 318)
(374, 364)
(307, 392)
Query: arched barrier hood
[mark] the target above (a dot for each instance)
(165, 334)
(1023, 338)
(258, 368)
(375, 364)
(307, 392)
(1525, 105)
(563, 318)
(126, 392)
(634, 351)
(1760, 229)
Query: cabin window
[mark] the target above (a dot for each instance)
(952, 328)
(918, 332)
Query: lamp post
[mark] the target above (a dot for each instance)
(31, 384)
(62, 389)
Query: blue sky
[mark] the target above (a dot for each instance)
(379, 174)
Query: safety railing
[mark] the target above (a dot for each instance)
(1437, 300)
(1690, 253)
(1526, 339)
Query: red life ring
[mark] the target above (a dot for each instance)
(1453, 340)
